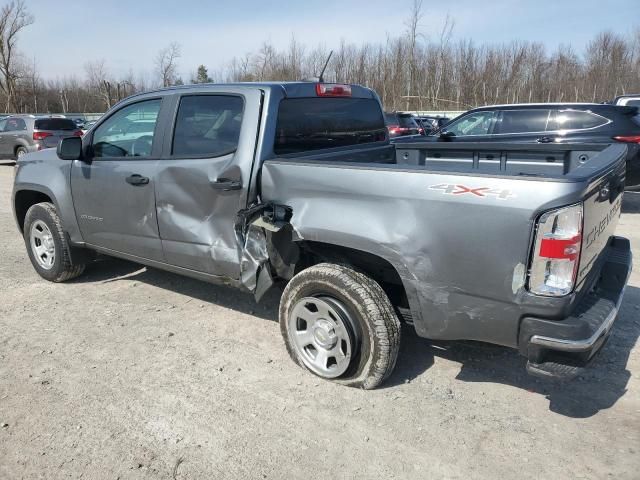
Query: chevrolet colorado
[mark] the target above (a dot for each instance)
(252, 184)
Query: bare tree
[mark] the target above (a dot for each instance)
(166, 64)
(13, 18)
(98, 81)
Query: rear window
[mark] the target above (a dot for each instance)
(55, 124)
(407, 121)
(306, 124)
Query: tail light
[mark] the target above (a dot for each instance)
(556, 253)
(41, 135)
(333, 90)
(396, 129)
(77, 133)
(628, 138)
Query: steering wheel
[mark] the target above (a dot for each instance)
(141, 147)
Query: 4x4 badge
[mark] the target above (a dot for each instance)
(456, 189)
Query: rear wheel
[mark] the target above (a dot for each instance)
(20, 151)
(47, 246)
(340, 325)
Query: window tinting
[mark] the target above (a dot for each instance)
(407, 121)
(55, 124)
(391, 119)
(207, 125)
(14, 124)
(128, 132)
(575, 120)
(315, 123)
(478, 123)
(522, 121)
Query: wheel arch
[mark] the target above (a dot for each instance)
(381, 269)
(24, 199)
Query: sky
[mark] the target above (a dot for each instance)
(128, 34)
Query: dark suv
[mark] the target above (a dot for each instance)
(402, 124)
(551, 123)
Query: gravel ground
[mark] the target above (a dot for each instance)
(132, 373)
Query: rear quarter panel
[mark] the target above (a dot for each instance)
(461, 256)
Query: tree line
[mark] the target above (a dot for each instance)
(415, 70)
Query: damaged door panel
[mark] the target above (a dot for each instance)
(267, 249)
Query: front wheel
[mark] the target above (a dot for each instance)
(339, 324)
(47, 246)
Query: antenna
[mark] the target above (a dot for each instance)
(320, 78)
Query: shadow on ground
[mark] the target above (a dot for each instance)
(631, 202)
(598, 388)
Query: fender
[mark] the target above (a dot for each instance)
(37, 172)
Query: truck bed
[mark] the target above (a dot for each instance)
(554, 161)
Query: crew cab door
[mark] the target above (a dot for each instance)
(113, 188)
(203, 178)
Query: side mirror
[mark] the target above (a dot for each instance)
(446, 135)
(70, 148)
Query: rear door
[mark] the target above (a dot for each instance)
(203, 178)
(523, 125)
(52, 130)
(113, 190)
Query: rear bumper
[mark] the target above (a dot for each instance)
(560, 348)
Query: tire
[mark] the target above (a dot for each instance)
(364, 309)
(55, 262)
(20, 151)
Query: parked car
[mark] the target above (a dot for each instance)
(249, 184)
(402, 124)
(631, 100)
(87, 126)
(431, 124)
(21, 134)
(551, 123)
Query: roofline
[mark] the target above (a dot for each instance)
(541, 104)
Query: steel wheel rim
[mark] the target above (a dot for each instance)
(321, 333)
(21, 152)
(43, 246)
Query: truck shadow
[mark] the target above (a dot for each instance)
(600, 386)
(107, 270)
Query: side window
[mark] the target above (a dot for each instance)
(129, 132)
(14, 124)
(575, 120)
(207, 125)
(3, 124)
(478, 123)
(522, 121)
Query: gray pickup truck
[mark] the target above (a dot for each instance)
(249, 185)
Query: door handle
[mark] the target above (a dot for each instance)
(136, 179)
(226, 184)
(546, 140)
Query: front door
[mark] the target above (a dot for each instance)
(203, 179)
(113, 189)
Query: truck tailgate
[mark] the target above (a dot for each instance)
(601, 213)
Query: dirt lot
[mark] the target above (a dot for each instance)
(130, 372)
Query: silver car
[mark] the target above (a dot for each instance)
(21, 134)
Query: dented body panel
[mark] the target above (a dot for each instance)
(441, 245)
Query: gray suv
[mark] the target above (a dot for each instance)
(21, 134)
